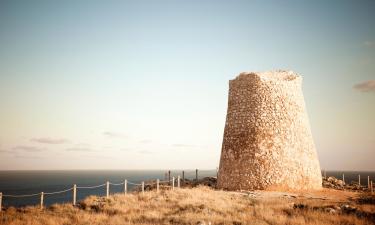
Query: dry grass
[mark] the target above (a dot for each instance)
(200, 205)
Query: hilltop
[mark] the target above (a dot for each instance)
(205, 205)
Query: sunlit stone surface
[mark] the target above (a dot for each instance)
(267, 139)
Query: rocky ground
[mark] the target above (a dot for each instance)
(199, 203)
(328, 182)
(350, 201)
(332, 182)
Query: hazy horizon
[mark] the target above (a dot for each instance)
(161, 169)
(144, 84)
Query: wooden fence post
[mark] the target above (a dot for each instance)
(169, 177)
(196, 174)
(372, 189)
(41, 199)
(74, 194)
(157, 185)
(343, 178)
(368, 182)
(173, 183)
(178, 181)
(183, 176)
(1, 200)
(359, 180)
(143, 187)
(125, 186)
(107, 189)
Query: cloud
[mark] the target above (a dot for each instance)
(50, 140)
(184, 146)
(7, 151)
(79, 149)
(145, 141)
(369, 43)
(83, 145)
(96, 156)
(28, 157)
(113, 134)
(28, 148)
(145, 152)
(366, 86)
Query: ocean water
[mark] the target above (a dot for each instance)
(30, 182)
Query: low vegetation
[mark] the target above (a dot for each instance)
(203, 205)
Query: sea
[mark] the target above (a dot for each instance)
(34, 182)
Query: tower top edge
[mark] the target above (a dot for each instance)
(272, 75)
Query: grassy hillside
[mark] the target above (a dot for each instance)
(203, 205)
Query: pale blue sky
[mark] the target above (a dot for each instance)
(144, 84)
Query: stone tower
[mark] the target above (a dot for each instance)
(267, 141)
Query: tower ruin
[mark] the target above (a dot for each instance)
(267, 140)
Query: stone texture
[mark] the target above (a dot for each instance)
(267, 139)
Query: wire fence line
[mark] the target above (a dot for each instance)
(170, 181)
(136, 184)
(58, 192)
(117, 183)
(191, 174)
(92, 187)
(75, 188)
(20, 196)
(66, 190)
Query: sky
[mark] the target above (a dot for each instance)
(144, 84)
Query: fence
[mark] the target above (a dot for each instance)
(369, 182)
(169, 181)
(107, 184)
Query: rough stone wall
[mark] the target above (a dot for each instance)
(267, 139)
